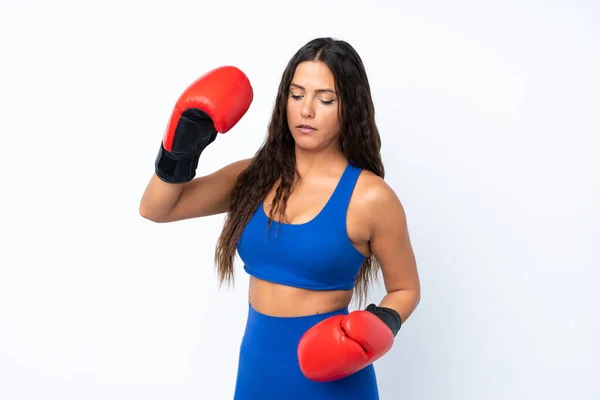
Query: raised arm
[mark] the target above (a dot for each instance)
(212, 104)
(203, 196)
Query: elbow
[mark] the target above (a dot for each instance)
(145, 214)
(149, 215)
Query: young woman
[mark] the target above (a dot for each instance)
(310, 216)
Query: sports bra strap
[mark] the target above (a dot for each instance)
(337, 207)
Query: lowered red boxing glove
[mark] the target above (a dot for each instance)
(341, 345)
(215, 102)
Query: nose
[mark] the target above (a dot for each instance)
(307, 110)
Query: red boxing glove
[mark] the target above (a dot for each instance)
(213, 103)
(341, 345)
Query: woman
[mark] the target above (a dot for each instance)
(310, 216)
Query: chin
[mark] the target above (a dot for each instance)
(307, 142)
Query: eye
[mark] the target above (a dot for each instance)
(295, 97)
(327, 102)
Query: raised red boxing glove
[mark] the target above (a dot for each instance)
(342, 345)
(212, 104)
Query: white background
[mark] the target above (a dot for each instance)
(489, 119)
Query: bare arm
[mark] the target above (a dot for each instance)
(391, 245)
(203, 196)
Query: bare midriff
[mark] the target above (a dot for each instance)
(285, 301)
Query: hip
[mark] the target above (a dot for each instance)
(268, 363)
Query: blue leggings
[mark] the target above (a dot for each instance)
(268, 365)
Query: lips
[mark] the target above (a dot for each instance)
(306, 128)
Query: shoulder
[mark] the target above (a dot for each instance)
(373, 190)
(376, 199)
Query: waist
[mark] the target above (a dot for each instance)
(276, 338)
(287, 301)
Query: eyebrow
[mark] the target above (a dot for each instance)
(318, 90)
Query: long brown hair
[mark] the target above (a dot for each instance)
(275, 161)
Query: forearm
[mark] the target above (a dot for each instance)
(159, 198)
(403, 301)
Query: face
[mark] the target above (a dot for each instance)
(312, 107)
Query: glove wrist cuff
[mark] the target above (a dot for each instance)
(175, 168)
(389, 316)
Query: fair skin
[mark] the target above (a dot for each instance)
(376, 221)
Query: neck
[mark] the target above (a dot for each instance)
(319, 162)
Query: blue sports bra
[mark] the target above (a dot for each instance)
(314, 255)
